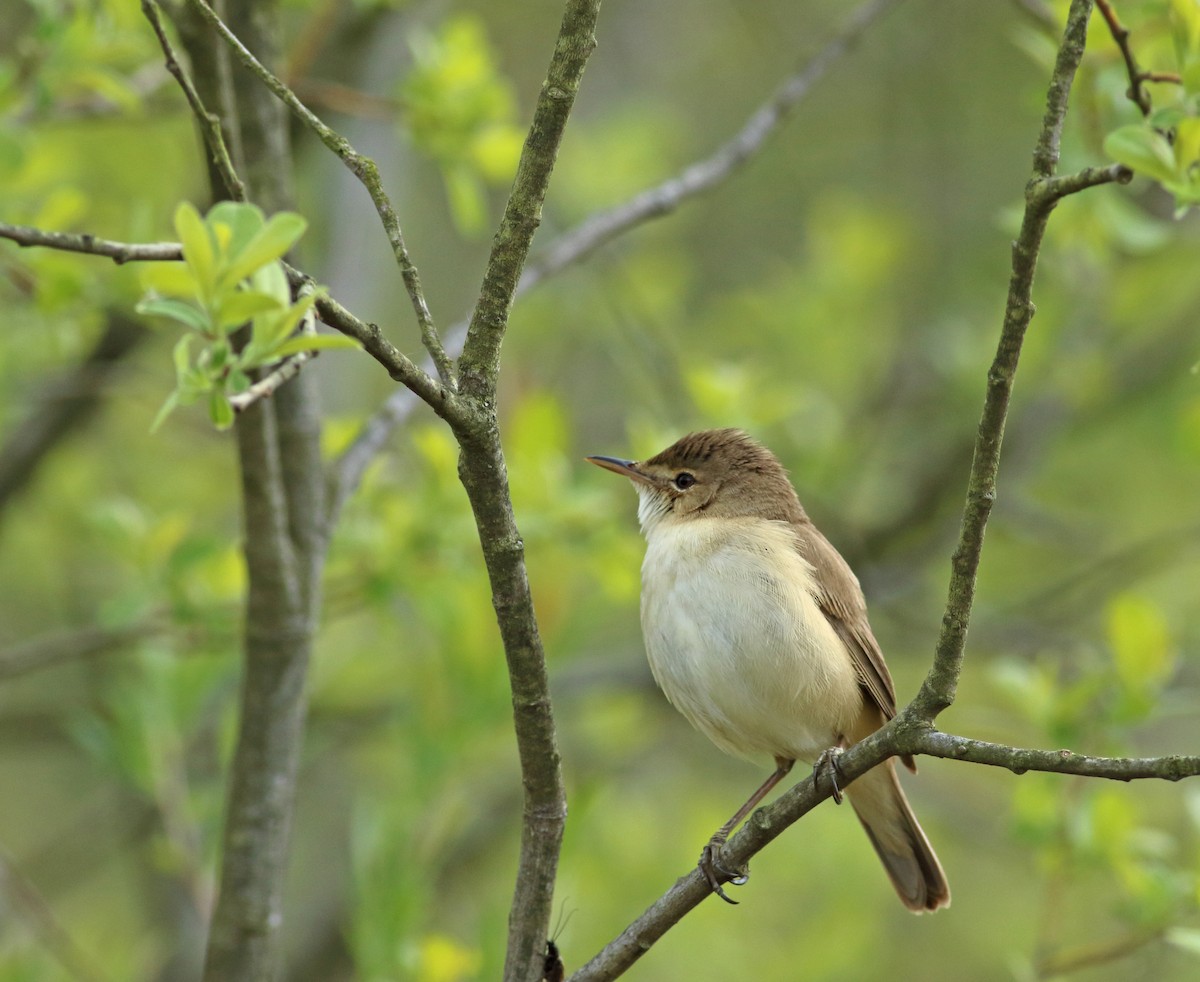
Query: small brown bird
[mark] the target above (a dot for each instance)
(756, 629)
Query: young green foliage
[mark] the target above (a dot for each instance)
(1165, 146)
(461, 112)
(231, 275)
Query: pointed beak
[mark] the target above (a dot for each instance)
(618, 466)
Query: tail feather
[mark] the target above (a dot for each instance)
(898, 838)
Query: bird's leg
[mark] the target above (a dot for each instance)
(829, 758)
(709, 863)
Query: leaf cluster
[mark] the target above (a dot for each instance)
(1165, 146)
(230, 276)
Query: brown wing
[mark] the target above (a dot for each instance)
(841, 599)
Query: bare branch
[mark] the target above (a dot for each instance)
(1019, 761)
(938, 690)
(368, 174)
(1120, 33)
(119, 252)
(707, 174)
(480, 359)
(484, 474)
(210, 124)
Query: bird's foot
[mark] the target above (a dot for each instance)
(829, 759)
(714, 872)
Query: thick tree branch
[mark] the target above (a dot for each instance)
(367, 173)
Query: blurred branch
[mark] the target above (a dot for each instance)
(23, 896)
(580, 242)
(709, 173)
(367, 173)
(64, 646)
(1073, 959)
(64, 405)
(119, 252)
(285, 539)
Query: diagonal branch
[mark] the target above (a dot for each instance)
(367, 173)
(1042, 193)
(704, 175)
(210, 123)
(480, 359)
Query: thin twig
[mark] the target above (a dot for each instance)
(368, 174)
(210, 124)
(287, 369)
(119, 252)
(399, 366)
(1120, 34)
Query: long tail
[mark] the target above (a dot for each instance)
(899, 840)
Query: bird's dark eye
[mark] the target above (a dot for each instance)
(684, 480)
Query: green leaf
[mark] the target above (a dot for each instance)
(1185, 30)
(243, 220)
(272, 330)
(314, 342)
(177, 310)
(169, 405)
(198, 248)
(272, 280)
(1140, 641)
(170, 279)
(1187, 143)
(270, 243)
(242, 306)
(1143, 150)
(182, 357)
(1185, 938)
(219, 409)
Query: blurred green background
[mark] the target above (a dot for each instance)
(840, 298)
